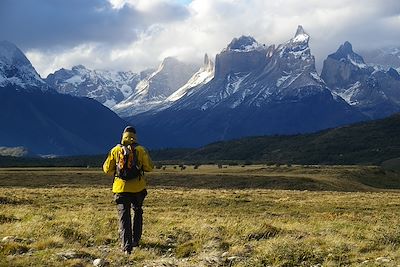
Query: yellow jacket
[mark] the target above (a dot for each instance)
(144, 161)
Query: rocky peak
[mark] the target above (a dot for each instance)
(208, 64)
(344, 67)
(345, 53)
(243, 44)
(301, 36)
(346, 48)
(297, 46)
(243, 54)
(295, 55)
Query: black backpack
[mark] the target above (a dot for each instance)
(127, 163)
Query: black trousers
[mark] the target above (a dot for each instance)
(130, 234)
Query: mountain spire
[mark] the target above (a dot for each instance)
(301, 36)
(346, 52)
(345, 49)
(299, 31)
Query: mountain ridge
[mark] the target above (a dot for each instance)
(371, 142)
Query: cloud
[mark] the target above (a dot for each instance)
(44, 24)
(136, 34)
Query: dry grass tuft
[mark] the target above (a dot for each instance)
(266, 231)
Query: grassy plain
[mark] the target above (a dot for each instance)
(231, 216)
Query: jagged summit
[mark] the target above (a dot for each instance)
(208, 64)
(301, 36)
(344, 50)
(300, 30)
(107, 87)
(346, 53)
(296, 52)
(243, 44)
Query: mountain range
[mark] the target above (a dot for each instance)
(256, 90)
(251, 89)
(35, 116)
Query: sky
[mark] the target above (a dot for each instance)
(137, 34)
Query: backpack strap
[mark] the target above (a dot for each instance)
(141, 167)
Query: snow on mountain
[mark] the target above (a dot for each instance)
(243, 44)
(157, 87)
(255, 90)
(260, 75)
(107, 87)
(15, 69)
(202, 76)
(374, 90)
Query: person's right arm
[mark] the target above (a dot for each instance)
(109, 165)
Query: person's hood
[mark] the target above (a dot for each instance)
(128, 138)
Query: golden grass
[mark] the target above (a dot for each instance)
(205, 217)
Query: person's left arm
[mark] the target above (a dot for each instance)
(144, 158)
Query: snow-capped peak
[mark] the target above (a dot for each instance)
(107, 87)
(301, 36)
(346, 53)
(16, 69)
(243, 44)
(297, 47)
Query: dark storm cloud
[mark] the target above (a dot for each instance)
(58, 23)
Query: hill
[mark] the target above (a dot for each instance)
(363, 143)
(367, 143)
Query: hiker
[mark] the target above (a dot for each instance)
(127, 162)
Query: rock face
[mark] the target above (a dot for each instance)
(107, 87)
(373, 91)
(156, 88)
(256, 90)
(36, 117)
(241, 55)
